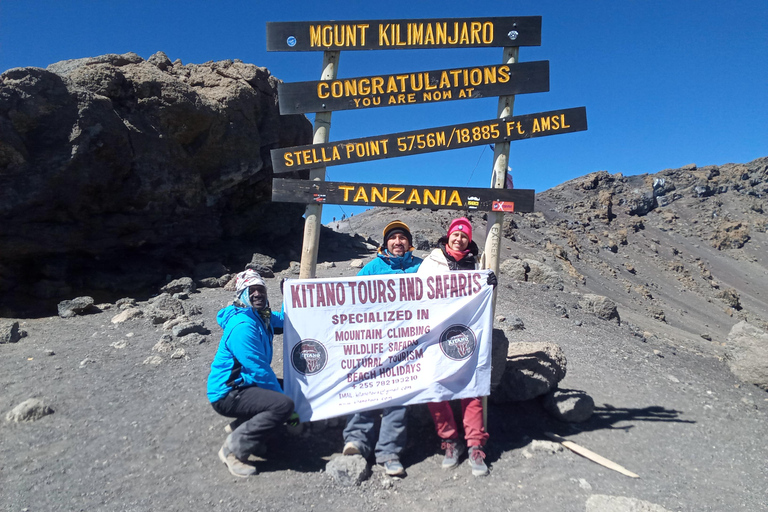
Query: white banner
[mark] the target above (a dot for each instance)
(353, 344)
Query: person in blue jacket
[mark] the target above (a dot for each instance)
(241, 384)
(395, 256)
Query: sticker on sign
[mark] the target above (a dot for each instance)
(503, 206)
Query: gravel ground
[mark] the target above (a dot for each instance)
(129, 435)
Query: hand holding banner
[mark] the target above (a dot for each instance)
(354, 344)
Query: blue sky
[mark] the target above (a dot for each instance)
(664, 83)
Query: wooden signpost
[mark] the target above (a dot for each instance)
(329, 94)
(333, 36)
(490, 257)
(413, 88)
(429, 140)
(419, 34)
(313, 213)
(403, 196)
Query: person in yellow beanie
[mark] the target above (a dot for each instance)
(395, 256)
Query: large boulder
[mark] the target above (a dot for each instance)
(639, 202)
(746, 352)
(514, 268)
(533, 369)
(181, 285)
(532, 271)
(600, 306)
(74, 307)
(118, 171)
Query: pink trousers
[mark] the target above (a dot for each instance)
(472, 412)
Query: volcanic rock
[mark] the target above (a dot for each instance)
(9, 332)
(181, 285)
(532, 369)
(747, 354)
(348, 470)
(29, 410)
(163, 308)
(118, 171)
(601, 307)
(74, 307)
(184, 328)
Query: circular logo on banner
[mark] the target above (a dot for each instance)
(458, 342)
(309, 357)
(291, 41)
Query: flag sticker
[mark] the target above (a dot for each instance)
(503, 206)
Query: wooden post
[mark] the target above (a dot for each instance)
(314, 212)
(498, 178)
(490, 257)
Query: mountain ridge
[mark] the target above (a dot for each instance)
(681, 251)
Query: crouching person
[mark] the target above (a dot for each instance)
(241, 384)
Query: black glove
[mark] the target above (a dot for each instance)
(492, 280)
(293, 420)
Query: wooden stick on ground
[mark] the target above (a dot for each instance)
(590, 455)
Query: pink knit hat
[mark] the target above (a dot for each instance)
(462, 224)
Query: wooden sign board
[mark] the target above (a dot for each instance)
(413, 88)
(403, 196)
(417, 34)
(430, 140)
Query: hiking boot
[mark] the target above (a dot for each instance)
(477, 461)
(236, 466)
(351, 448)
(453, 450)
(393, 468)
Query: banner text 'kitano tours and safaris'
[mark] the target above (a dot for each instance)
(353, 344)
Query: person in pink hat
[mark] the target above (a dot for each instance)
(457, 251)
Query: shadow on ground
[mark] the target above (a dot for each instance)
(511, 426)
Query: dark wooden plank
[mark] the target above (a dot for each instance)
(413, 88)
(429, 140)
(403, 34)
(403, 196)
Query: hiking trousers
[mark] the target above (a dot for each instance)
(392, 434)
(258, 411)
(472, 414)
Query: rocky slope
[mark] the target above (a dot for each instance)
(682, 252)
(122, 422)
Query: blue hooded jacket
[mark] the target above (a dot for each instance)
(386, 263)
(245, 352)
